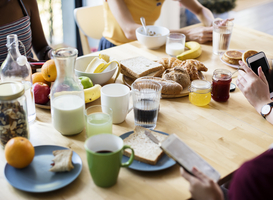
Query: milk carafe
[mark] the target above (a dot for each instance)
(67, 96)
(16, 68)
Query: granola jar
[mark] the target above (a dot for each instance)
(13, 112)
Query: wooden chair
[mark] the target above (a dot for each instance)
(90, 22)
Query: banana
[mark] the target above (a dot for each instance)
(92, 93)
(194, 51)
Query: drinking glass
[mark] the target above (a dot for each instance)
(146, 99)
(221, 36)
(175, 44)
(221, 85)
(98, 120)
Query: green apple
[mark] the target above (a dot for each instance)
(86, 82)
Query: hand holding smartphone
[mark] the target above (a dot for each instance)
(260, 60)
(187, 158)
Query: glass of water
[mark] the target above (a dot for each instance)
(146, 100)
(221, 36)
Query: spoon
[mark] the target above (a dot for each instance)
(142, 20)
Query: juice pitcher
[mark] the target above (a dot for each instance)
(67, 96)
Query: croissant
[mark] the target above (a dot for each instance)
(168, 63)
(172, 62)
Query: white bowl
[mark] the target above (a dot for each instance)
(97, 78)
(152, 42)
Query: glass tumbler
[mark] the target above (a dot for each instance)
(146, 100)
(175, 44)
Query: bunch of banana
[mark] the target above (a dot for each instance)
(194, 51)
(92, 93)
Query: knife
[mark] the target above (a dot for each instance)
(152, 137)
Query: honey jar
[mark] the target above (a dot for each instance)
(200, 92)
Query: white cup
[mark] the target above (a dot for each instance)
(116, 96)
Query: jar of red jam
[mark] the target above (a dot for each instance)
(221, 84)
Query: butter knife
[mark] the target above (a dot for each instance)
(152, 137)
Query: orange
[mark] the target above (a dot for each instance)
(38, 77)
(19, 152)
(49, 71)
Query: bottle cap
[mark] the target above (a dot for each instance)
(21, 60)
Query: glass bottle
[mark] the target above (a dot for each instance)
(13, 112)
(200, 92)
(67, 96)
(16, 68)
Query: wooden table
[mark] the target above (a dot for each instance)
(225, 134)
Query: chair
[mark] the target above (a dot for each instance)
(90, 21)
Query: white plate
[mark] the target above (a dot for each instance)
(233, 66)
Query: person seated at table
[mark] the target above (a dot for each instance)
(256, 89)
(252, 181)
(122, 18)
(21, 17)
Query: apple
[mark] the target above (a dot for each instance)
(86, 82)
(41, 92)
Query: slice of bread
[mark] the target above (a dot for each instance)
(140, 66)
(145, 150)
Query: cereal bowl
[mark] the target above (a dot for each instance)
(97, 78)
(156, 38)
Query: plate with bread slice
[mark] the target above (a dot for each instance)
(148, 155)
(174, 75)
(42, 175)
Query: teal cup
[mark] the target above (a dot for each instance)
(104, 156)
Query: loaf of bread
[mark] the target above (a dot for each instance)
(168, 86)
(140, 66)
(145, 150)
(179, 75)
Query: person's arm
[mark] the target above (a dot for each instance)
(202, 187)
(39, 43)
(200, 34)
(124, 18)
(255, 89)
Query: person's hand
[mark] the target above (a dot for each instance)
(202, 187)
(255, 88)
(200, 34)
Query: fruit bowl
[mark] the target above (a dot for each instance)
(158, 38)
(97, 78)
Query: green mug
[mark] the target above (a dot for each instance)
(104, 157)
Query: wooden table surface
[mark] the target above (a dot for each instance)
(225, 134)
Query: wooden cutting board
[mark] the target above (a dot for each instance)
(185, 92)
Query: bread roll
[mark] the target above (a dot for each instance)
(179, 75)
(168, 86)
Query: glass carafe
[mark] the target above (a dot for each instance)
(67, 96)
(16, 68)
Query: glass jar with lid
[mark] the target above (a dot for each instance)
(13, 112)
(200, 92)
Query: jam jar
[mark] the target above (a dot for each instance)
(13, 112)
(200, 92)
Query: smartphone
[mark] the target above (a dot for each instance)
(257, 60)
(175, 148)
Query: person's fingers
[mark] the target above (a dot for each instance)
(261, 75)
(245, 67)
(187, 176)
(199, 174)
